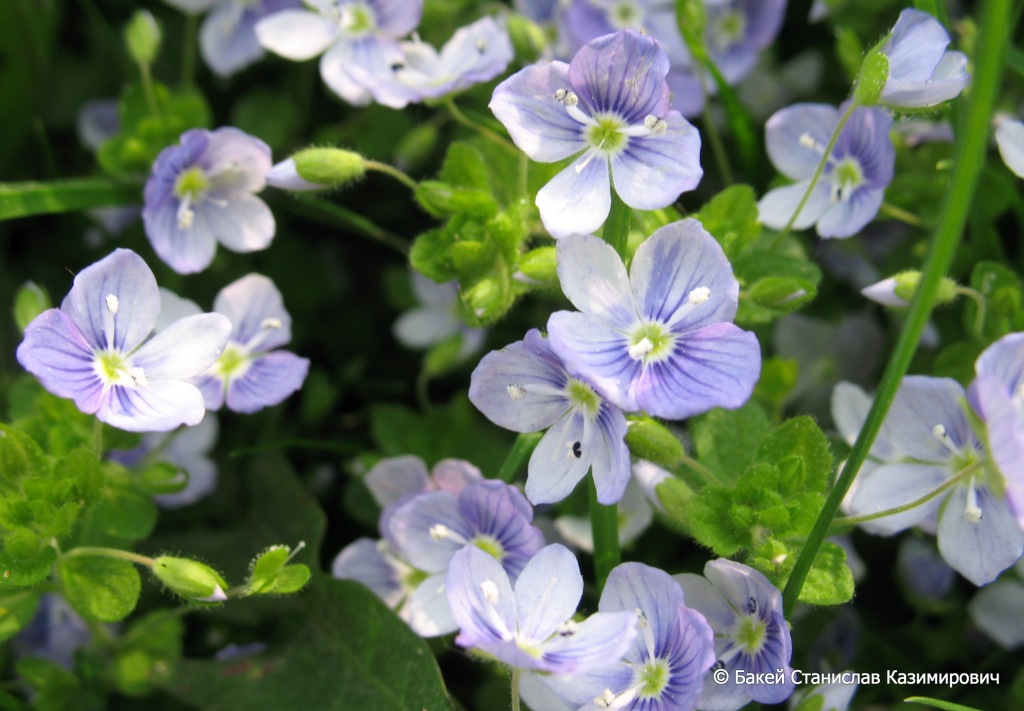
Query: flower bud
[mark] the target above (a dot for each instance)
(191, 579)
(142, 37)
(329, 167)
(538, 265)
(30, 301)
(874, 71)
(650, 440)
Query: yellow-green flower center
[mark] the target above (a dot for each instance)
(111, 366)
(233, 362)
(650, 342)
(750, 634)
(490, 545)
(652, 678)
(357, 20)
(846, 176)
(625, 15)
(583, 396)
(192, 183)
(606, 135)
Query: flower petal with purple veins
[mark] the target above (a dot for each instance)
(554, 469)
(577, 200)
(588, 346)
(922, 72)
(796, 136)
(648, 174)
(594, 279)
(979, 537)
(893, 485)
(268, 381)
(777, 206)
(1004, 421)
(617, 73)
(255, 307)
(547, 592)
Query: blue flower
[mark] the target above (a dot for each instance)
(852, 186)
(610, 108)
(428, 530)
(661, 338)
(531, 626)
(925, 442)
(922, 72)
(436, 319)
(1010, 141)
(201, 193)
(94, 349)
(227, 37)
(525, 387)
(356, 37)
(663, 670)
(751, 634)
(253, 373)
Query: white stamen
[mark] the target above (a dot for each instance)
(490, 591)
(590, 156)
(655, 125)
(560, 94)
(112, 304)
(807, 141)
(516, 392)
(939, 433)
(138, 377)
(644, 626)
(972, 512)
(481, 46)
(641, 348)
(439, 532)
(699, 295)
(566, 629)
(606, 699)
(570, 99)
(185, 213)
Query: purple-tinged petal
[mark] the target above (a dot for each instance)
(160, 406)
(227, 40)
(235, 161)
(670, 264)
(605, 448)
(125, 276)
(979, 547)
(1004, 360)
(335, 67)
(268, 380)
(55, 351)
(427, 530)
(296, 34)
(213, 390)
(796, 136)
(397, 18)
(481, 600)
(998, 611)
(915, 46)
(884, 292)
(1005, 424)
(395, 478)
(547, 592)
(363, 561)
(499, 515)
(370, 65)
(601, 637)
(255, 308)
(554, 470)
(245, 224)
(537, 122)
(174, 308)
(186, 348)
(716, 366)
(847, 217)
(594, 279)
(926, 412)
(622, 73)
(893, 485)
(427, 610)
(1010, 141)
(454, 475)
(850, 405)
(776, 208)
(424, 326)
(652, 171)
(578, 199)
(949, 80)
(587, 345)
(635, 586)
(285, 176)
(702, 595)
(186, 251)
(520, 387)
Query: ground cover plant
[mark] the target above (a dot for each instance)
(561, 355)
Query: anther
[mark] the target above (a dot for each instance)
(112, 304)
(271, 322)
(751, 605)
(699, 295)
(490, 591)
(566, 629)
(515, 391)
(138, 377)
(606, 699)
(641, 348)
(439, 532)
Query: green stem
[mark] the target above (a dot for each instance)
(109, 553)
(188, 51)
(945, 486)
(147, 87)
(898, 213)
(514, 684)
(330, 213)
(616, 227)
(979, 302)
(456, 113)
(604, 524)
(391, 170)
(517, 457)
(696, 466)
(711, 129)
(817, 173)
(37, 198)
(97, 438)
(969, 158)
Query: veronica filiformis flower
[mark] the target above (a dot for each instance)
(358, 39)
(930, 460)
(660, 339)
(201, 192)
(530, 625)
(1010, 141)
(664, 667)
(751, 634)
(525, 387)
(253, 373)
(436, 319)
(921, 71)
(94, 349)
(851, 188)
(426, 531)
(609, 107)
(227, 37)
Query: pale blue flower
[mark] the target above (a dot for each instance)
(922, 72)
(634, 515)
(660, 339)
(664, 668)
(94, 349)
(357, 38)
(201, 192)
(998, 609)
(751, 634)
(436, 319)
(609, 107)
(531, 626)
(227, 37)
(54, 634)
(253, 373)
(1010, 141)
(923, 572)
(525, 387)
(852, 186)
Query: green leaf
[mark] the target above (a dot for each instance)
(16, 610)
(726, 440)
(100, 589)
(124, 513)
(270, 574)
(830, 581)
(146, 652)
(57, 689)
(30, 301)
(35, 198)
(800, 438)
(731, 218)
(26, 565)
(778, 378)
(781, 294)
(346, 651)
(1002, 290)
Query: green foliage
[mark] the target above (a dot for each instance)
(146, 652)
(1002, 290)
(778, 378)
(146, 130)
(30, 301)
(830, 581)
(100, 589)
(726, 440)
(272, 574)
(345, 650)
(57, 689)
(142, 37)
(16, 611)
(731, 218)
